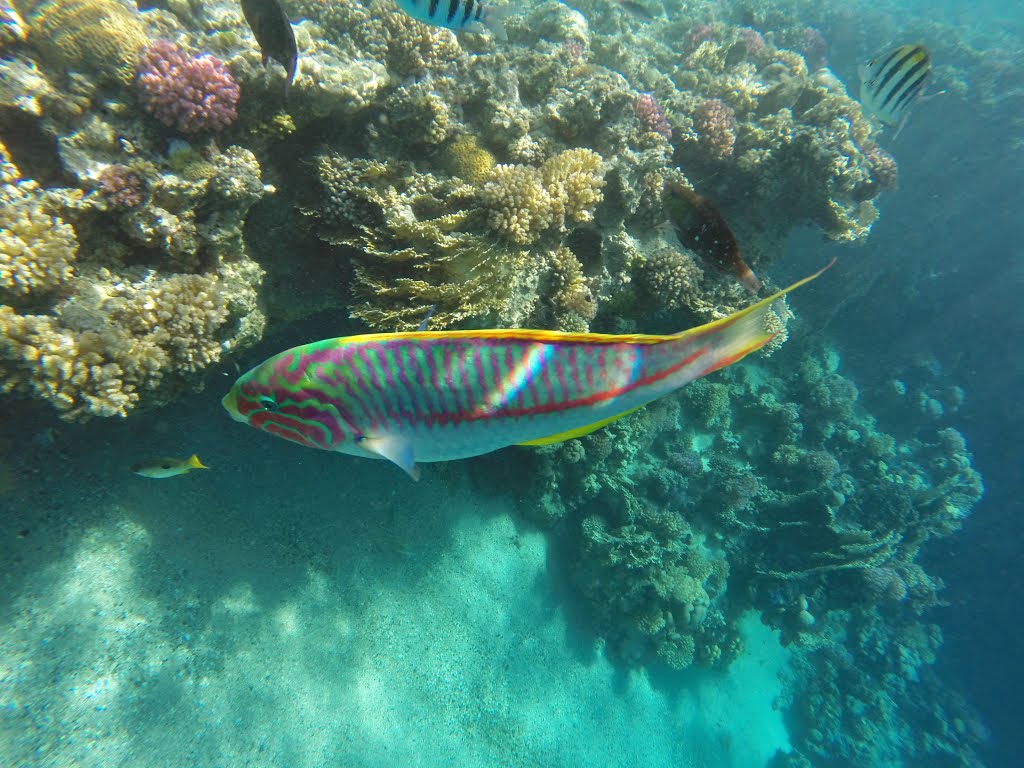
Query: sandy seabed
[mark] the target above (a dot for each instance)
(295, 608)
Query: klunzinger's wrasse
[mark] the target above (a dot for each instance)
(459, 15)
(440, 395)
(892, 83)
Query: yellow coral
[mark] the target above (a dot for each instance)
(102, 36)
(114, 341)
(468, 160)
(573, 295)
(9, 172)
(519, 206)
(574, 180)
(522, 201)
(37, 248)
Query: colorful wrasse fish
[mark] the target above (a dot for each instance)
(891, 84)
(440, 395)
(459, 15)
(273, 32)
(701, 228)
(161, 468)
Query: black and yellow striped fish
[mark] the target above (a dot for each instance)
(890, 84)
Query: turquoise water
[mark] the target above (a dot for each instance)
(806, 559)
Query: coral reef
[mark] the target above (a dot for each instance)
(523, 202)
(37, 247)
(103, 37)
(190, 94)
(775, 492)
(651, 116)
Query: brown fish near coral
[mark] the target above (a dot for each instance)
(701, 228)
(273, 32)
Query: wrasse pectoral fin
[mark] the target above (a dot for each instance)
(395, 449)
(561, 437)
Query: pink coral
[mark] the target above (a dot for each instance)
(751, 38)
(700, 33)
(884, 170)
(716, 125)
(190, 94)
(814, 47)
(651, 115)
(120, 186)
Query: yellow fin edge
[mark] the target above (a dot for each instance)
(561, 437)
(194, 463)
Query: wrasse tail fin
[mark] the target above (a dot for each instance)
(734, 337)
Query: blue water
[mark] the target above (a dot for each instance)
(291, 607)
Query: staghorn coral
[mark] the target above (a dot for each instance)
(97, 36)
(523, 202)
(191, 94)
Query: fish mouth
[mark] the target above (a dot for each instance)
(229, 401)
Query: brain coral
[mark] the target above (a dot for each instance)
(99, 36)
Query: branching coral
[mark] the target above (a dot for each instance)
(408, 47)
(113, 341)
(417, 248)
(523, 202)
(190, 94)
(37, 247)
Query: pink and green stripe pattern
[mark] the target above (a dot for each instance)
(440, 395)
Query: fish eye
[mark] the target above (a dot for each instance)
(268, 403)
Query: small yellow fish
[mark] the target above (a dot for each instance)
(160, 468)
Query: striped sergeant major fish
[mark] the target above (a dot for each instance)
(429, 396)
(892, 83)
(459, 15)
